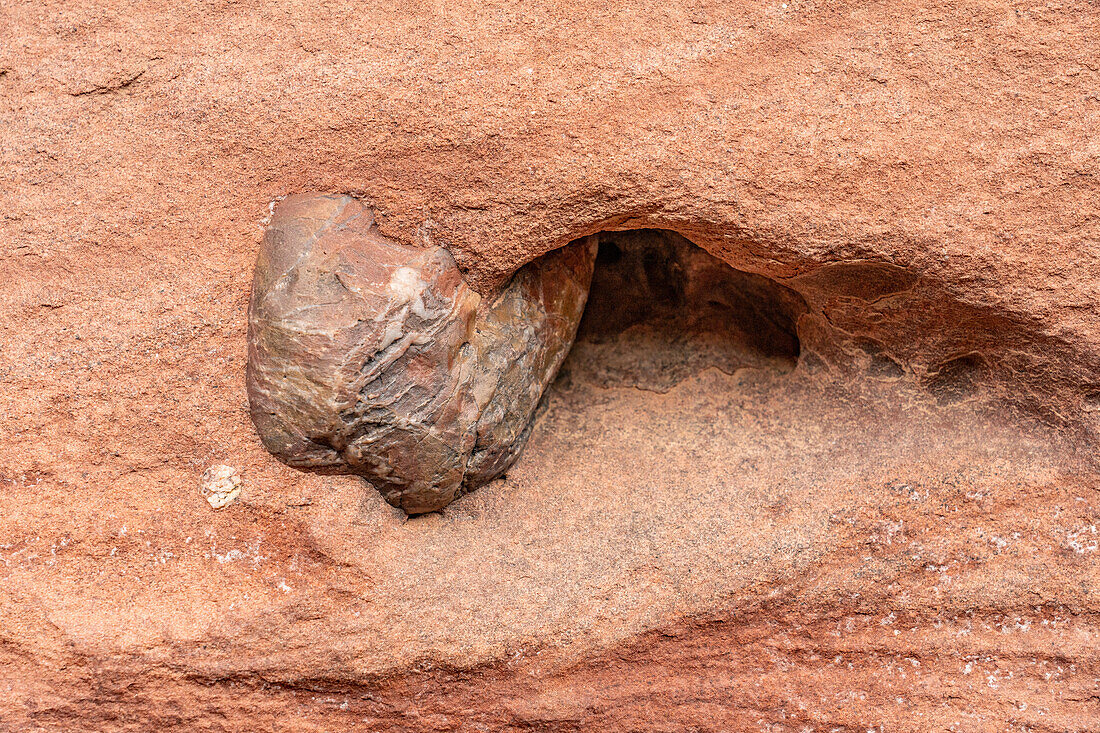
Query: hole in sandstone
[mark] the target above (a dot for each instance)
(1091, 401)
(957, 378)
(661, 309)
(879, 364)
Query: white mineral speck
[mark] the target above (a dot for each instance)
(406, 285)
(220, 485)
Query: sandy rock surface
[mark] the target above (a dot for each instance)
(893, 529)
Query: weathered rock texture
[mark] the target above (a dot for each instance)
(373, 358)
(898, 534)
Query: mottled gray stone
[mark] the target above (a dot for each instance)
(374, 358)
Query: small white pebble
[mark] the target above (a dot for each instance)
(221, 485)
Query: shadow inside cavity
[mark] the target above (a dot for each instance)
(661, 309)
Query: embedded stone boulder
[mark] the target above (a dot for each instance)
(375, 358)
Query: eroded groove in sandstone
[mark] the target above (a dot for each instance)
(374, 358)
(377, 359)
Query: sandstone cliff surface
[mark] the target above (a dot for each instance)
(884, 519)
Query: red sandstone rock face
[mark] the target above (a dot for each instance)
(898, 533)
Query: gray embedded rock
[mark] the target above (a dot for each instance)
(374, 358)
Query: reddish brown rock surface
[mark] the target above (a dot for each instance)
(899, 533)
(373, 358)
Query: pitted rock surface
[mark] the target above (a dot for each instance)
(375, 358)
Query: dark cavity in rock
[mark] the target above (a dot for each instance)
(662, 309)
